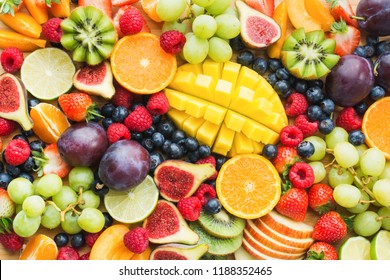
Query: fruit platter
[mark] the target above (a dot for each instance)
(195, 130)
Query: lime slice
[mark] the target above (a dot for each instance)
(380, 246)
(355, 248)
(134, 205)
(47, 73)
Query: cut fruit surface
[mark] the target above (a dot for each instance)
(261, 256)
(149, 7)
(318, 11)
(40, 247)
(281, 18)
(242, 254)
(355, 248)
(380, 246)
(300, 17)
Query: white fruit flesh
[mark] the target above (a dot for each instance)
(242, 254)
(258, 255)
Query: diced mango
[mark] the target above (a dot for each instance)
(213, 69)
(223, 92)
(273, 121)
(247, 77)
(183, 81)
(260, 133)
(259, 107)
(257, 147)
(263, 89)
(177, 100)
(242, 100)
(234, 121)
(215, 114)
(224, 139)
(191, 125)
(178, 117)
(242, 144)
(220, 151)
(207, 133)
(196, 107)
(278, 107)
(230, 72)
(232, 152)
(204, 87)
(194, 68)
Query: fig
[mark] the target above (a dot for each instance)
(374, 16)
(382, 71)
(179, 252)
(95, 80)
(178, 179)
(166, 225)
(13, 101)
(258, 30)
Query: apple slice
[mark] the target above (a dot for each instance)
(259, 255)
(242, 254)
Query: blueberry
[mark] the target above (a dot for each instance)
(314, 95)
(361, 108)
(137, 136)
(156, 119)
(300, 86)
(274, 64)
(204, 151)
(193, 156)
(27, 133)
(377, 93)
(314, 112)
(282, 87)
(20, 136)
(272, 79)
(369, 51)
(28, 165)
(372, 40)
(165, 147)
(77, 240)
(382, 47)
(158, 139)
(191, 144)
(260, 65)
(61, 239)
(106, 122)
(213, 206)
(282, 74)
(360, 51)
(166, 128)
(98, 187)
(31, 102)
(356, 137)
(175, 151)
(108, 220)
(305, 149)
(5, 179)
(13, 171)
(220, 160)
(37, 145)
(316, 83)
(236, 43)
(270, 151)
(107, 110)
(155, 160)
(245, 58)
(326, 126)
(178, 135)
(119, 114)
(149, 132)
(147, 143)
(327, 106)
(27, 176)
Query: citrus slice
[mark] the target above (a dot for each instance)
(380, 246)
(40, 247)
(355, 248)
(150, 7)
(376, 126)
(140, 65)
(47, 73)
(248, 186)
(133, 205)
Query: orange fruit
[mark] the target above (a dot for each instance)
(376, 126)
(49, 122)
(140, 65)
(40, 247)
(300, 17)
(248, 186)
(143, 256)
(320, 12)
(149, 7)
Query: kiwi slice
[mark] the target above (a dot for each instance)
(217, 246)
(89, 34)
(222, 224)
(309, 55)
(212, 257)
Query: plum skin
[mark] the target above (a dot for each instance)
(382, 71)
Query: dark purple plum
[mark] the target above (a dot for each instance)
(124, 165)
(350, 81)
(375, 16)
(382, 71)
(83, 144)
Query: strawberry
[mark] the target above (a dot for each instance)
(49, 161)
(104, 5)
(322, 251)
(8, 238)
(330, 228)
(321, 198)
(347, 37)
(342, 9)
(266, 7)
(285, 158)
(7, 206)
(77, 106)
(293, 204)
(120, 3)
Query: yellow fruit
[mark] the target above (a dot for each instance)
(281, 18)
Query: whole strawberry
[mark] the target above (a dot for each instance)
(321, 198)
(293, 204)
(8, 238)
(330, 228)
(77, 106)
(322, 251)
(286, 157)
(7, 206)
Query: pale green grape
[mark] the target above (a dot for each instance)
(366, 223)
(174, 25)
(381, 190)
(19, 189)
(346, 195)
(195, 49)
(70, 224)
(91, 220)
(24, 225)
(361, 148)
(337, 176)
(33, 206)
(80, 177)
(385, 213)
(231, 11)
(368, 181)
(204, 26)
(197, 10)
(170, 10)
(203, 3)
(51, 217)
(386, 171)
(372, 162)
(18, 208)
(361, 206)
(90, 200)
(218, 7)
(337, 135)
(65, 197)
(219, 50)
(319, 148)
(49, 185)
(319, 171)
(228, 26)
(346, 154)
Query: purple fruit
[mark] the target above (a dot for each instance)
(124, 165)
(83, 144)
(382, 71)
(350, 81)
(375, 16)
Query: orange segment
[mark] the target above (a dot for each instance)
(149, 7)
(140, 65)
(248, 186)
(376, 126)
(317, 10)
(40, 247)
(49, 122)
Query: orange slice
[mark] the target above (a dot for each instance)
(140, 65)
(376, 126)
(248, 186)
(40, 247)
(149, 7)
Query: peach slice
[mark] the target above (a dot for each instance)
(300, 17)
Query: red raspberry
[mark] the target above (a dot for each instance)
(11, 59)
(172, 41)
(349, 119)
(204, 193)
(296, 104)
(116, 132)
(17, 152)
(158, 104)
(85, 257)
(136, 240)
(301, 175)
(122, 97)
(291, 136)
(52, 31)
(209, 159)
(67, 253)
(11, 241)
(90, 238)
(6, 127)
(307, 127)
(131, 22)
(139, 120)
(190, 208)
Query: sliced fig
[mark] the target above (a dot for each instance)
(13, 101)
(166, 225)
(179, 252)
(95, 80)
(178, 179)
(258, 30)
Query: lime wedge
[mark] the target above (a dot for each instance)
(355, 248)
(47, 73)
(380, 246)
(134, 205)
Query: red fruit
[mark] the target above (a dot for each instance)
(322, 251)
(172, 41)
(349, 119)
(52, 31)
(204, 193)
(301, 175)
(296, 104)
(264, 6)
(6, 127)
(104, 5)
(158, 104)
(77, 106)
(293, 204)
(291, 136)
(321, 198)
(347, 38)
(90, 238)
(190, 208)
(85, 256)
(7, 206)
(11, 59)
(122, 97)
(209, 159)
(342, 9)
(120, 12)
(11, 241)
(330, 228)
(131, 22)
(116, 132)
(285, 158)
(307, 127)
(17, 152)
(136, 240)
(67, 253)
(139, 120)
(119, 3)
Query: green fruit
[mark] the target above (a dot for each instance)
(222, 224)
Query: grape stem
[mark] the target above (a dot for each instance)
(71, 207)
(54, 205)
(366, 201)
(380, 218)
(330, 163)
(360, 182)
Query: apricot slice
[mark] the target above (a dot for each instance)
(300, 17)
(281, 18)
(317, 10)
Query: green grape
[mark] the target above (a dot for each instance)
(347, 196)
(80, 177)
(49, 185)
(361, 148)
(51, 217)
(386, 171)
(218, 7)
(319, 148)
(33, 206)
(319, 171)
(91, 220)
(219, 50)
(346, 154)
(366, 223)
(174, 25)
(381, 190)
(197, 10)
(368, 181)
(18, 208)
(24, 225)
(90, 200)
(361, 206)
(337, 176)
(65, 197)
(231, 11)
(195, 49)
(372, 162)
(337, 135)
(228, 26)
(19, 189)
(170, 10)
(203, 3)
(204, 26)
(70, 224)
(384, 212)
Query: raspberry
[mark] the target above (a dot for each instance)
(139, 120)
(117, 131)
(11, 59)
(90, 238)
(301, 175)
(131, 22)
(291, 136)
(307, 127)
(172, 41)
(209, 159)
(122, 97)
(17, 152)
(6, 127)
(158, 104)
(85, 257)
(136, 240)
(296, 104)
(67, 253)
(11, 241)
(52, 31)
(190, 208)
(349, 119)
(204, 193)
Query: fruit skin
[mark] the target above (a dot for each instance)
(139, 120)
(67, 253)
(11, 59)
(347, 38)
(301, 175)
(136, 240)
(172, 41)
(342, 9)
(266, 7)
(349, 119)
(322, 251)
(189, 208)
(116, 132)
(179, 252)
(17, 152)
(296, 104)
(7, 206)
(286, 156)
(321, 198)
(293, 204)
(381, 71)
(131, 22)
(77, 106)
(281, 17)
(330, 228)
(375, 15)
(49, 161)
(51, 30)
(300, 17)
(10, 38)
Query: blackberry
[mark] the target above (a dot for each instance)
(245, 58)
(61, 239)
(305, 149)
(107, 110)
(155, 160)
(270, 151)
(119, 114)
(260, 65)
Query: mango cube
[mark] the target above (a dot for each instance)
(220, 151)
(207, 133)
(225, 138)
(204, 87)
(230, 72)
(215, 114)
(213, 69)
(194, 68)
(257, 147)
(196, 107)
(247, 77)
(242, 144)
(242, 100)
(182, 80)
(178, 117)
(223, 93)
(234, 121)
(177, 100)
(259, 132)
(191, 125)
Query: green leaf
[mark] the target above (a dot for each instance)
(7, 6)
(5, 225)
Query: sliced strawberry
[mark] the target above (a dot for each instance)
(342, 9)
(7, 206)
(104, 5)
(347, 37)
(266, 7)
(49, 161)
(118, 15)
(120, 3)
